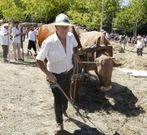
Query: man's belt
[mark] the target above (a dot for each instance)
(66, 72)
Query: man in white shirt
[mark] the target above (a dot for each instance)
(32, 41)
(16, 41)
(4, 41)
(140, 45)
(59, 49)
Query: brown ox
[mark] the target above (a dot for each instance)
(96, 49)
(104, 70)
(103, 66)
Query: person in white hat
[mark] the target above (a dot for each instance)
(60, 50)
(4, 41)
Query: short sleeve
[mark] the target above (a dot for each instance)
(42, 54)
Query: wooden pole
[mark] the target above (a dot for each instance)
(102, 15)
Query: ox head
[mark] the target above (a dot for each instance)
(104, 71)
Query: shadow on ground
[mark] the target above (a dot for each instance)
(120, 99)
(84, 129)
(133, 50)
(25, 63)
(28, 61)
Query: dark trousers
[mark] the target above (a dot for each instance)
(60, 101)
(5, 51)
(139, 51)
(32, 44)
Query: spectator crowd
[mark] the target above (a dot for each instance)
(135, 41)
(14, 35)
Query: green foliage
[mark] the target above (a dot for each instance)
(123, 20)
(111, 7)
(32, 10)
(1, 14)
(86, 13)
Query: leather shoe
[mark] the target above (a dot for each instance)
(59, 129)
(65, 114)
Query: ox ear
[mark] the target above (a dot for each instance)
(116, 63)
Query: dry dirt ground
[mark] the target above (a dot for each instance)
(26, 102)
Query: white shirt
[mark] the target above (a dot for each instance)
(36, 31)
(145, 39)
(139, 44)
(4, 39)
(32, 35)
(16, 39)
(52, 49)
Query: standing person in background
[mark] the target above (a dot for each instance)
(139, 46)
(36, 30)
(145, 40)
(107, 36)
(16, 41)
(60, 51)
(4, 41)
(123, 42)
(32, 41)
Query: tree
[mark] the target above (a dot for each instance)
(111, 7)
(33, 10)
(85, 13)
(123, 20)
(131, 17)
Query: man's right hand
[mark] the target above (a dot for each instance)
(51, 78)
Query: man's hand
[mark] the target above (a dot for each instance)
(6, 34)
(17, 35)
(76, 58)
(51, 78)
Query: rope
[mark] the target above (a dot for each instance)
(85, 119)
(70, 101)
(75, 71)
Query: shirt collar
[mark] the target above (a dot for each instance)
(56, 39)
